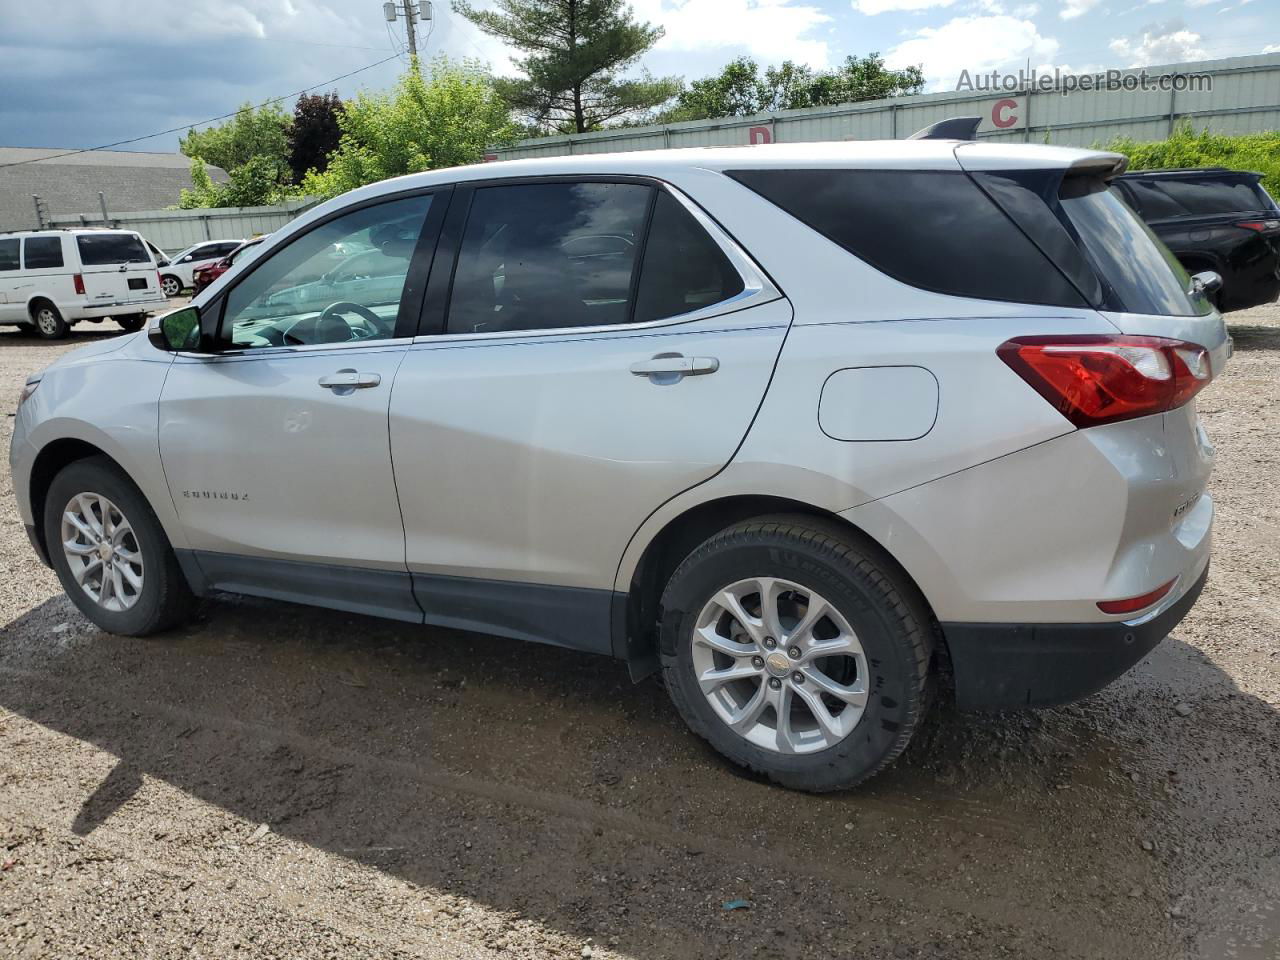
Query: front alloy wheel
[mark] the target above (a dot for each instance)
(102, 551)
(170, 286)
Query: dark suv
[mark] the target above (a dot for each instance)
(1214, 219)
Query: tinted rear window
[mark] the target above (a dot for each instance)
(1139, 272)
(1187, 197)
(97, 250)
(42, 253)
(683, 268)
(9, 254)
(932, 229)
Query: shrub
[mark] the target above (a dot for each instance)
(1258, 152)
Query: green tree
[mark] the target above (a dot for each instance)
(252, 184)
(742, 89)
(445, 119)
(1257, 152)
(575, 54)
(252, 132)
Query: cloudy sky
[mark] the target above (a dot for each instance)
(83, 73)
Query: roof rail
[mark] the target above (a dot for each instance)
(953, 128)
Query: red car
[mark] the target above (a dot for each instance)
(207, 274)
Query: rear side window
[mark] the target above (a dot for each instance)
(98, 250)
(1139, 272)
(1189, 197)
(684, 270)
(9, 254)
(931, 229)
(42, 253)
(548, 255)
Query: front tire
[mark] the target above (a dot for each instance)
(797, 651)
(170, 285)
(110, 552)
(48, 321)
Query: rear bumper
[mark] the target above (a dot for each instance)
(1005, 666)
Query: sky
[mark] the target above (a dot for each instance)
(82, 73)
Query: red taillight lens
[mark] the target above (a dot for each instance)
(1134, 604)
(1101, 379)
(1259, 226)
(78, 281)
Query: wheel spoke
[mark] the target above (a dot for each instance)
(770, 593)
(855, 696)
(124, 570)
(732, 605)
(87, 531)
(712, 679)
(708, 637)
(89, 521)
(746, 717)
(784, 736)
(845, 645)
(117, 585)
(83, 571)
(828, 725)
(800, 633)
(79, 549)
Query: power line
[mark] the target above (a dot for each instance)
(199, 123)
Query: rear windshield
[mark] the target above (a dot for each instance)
(1192, 197)
(106, 248)
(1138, 272)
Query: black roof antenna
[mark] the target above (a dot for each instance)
(953, 128)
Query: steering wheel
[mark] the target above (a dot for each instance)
(335, 310)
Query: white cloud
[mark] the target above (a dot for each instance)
(1271, 48)
(1169, 42)
(771, 30)
(1077, 8)
(873, 7)
(976, 44)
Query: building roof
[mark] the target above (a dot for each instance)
(69, 185)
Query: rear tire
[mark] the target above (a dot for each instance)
(48, 321)
(126, 577)
(133, 322)
(863, 664)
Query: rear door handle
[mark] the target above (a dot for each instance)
(347, 381)
(670, 367)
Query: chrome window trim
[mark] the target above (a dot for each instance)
(757, 289)
(254, 353)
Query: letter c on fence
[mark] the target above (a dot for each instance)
(759, 135)
(1000, 115)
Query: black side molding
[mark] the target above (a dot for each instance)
(1001, 666)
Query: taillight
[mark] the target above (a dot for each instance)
(78, 281)
(1259, 225)
(1134, 604)
(1101, 379)
(159, 281)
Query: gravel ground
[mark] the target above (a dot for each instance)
(276, 781)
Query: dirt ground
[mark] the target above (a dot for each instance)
(276, 781)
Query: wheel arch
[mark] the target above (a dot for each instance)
(54, 457)
(637, 612)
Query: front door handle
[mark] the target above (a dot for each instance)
(672, 367)
(348, 381)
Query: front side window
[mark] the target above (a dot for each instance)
(548, 255)
(42, 253)
(340, 282)
(102, 249)
(9, 254)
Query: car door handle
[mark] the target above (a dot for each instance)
(666, 366)
(348, 380)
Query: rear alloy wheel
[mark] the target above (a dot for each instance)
(111, 553)
(797, 651)
(170, 286)
(133, 322)
(48, 321)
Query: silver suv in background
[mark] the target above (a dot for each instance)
(798, 426)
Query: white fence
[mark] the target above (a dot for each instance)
(1244, 98)
(173, 230)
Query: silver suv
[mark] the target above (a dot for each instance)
(798, 426)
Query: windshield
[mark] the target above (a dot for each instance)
(100, 249)
(1141, 274)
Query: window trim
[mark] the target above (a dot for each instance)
(757, 287)
(62, 251)
(417, 278)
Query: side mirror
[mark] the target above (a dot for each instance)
(1206, 282)
(176, 331)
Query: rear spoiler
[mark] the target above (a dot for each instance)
(1104, 165)
(953, 128)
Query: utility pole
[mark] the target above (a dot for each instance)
(412, 10)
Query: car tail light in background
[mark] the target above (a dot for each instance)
(78, 281)
(1101, 379)
(1259, 226)
(159, 280)
(1134, 604)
